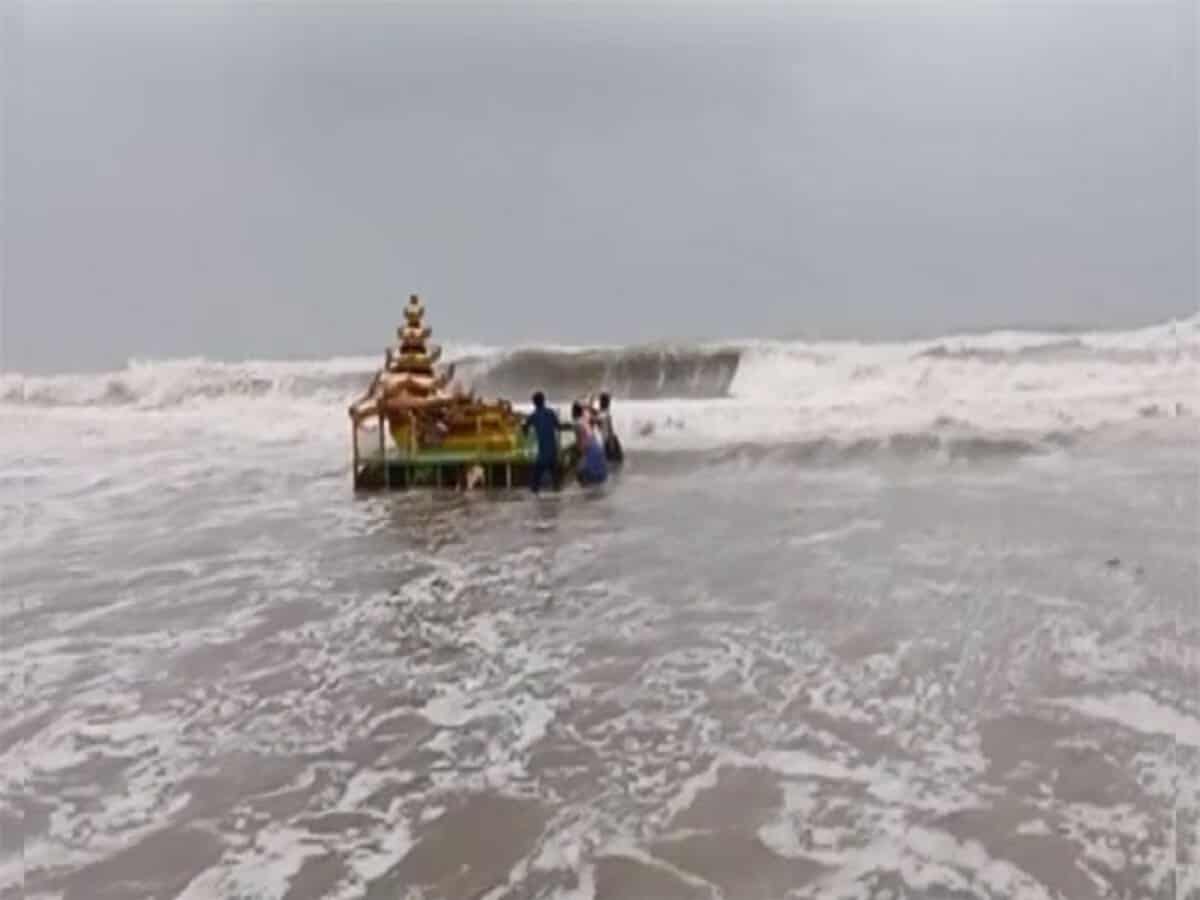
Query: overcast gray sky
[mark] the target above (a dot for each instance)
(272, 180)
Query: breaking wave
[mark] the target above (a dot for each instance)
(734, 369)
(636, 373)
(158, 385)
(911, 446)
(1072, 350)
(974, 397)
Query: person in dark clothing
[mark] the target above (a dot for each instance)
(613, 451)
(544, 422)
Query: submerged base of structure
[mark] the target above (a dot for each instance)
(448, 471)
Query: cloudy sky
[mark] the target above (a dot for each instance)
(264, 179)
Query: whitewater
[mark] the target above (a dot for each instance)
(1035, 389)
(856, 620)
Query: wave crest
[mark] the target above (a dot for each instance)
(635, 373)
(180, 382)
(826, 374)
(909, 446)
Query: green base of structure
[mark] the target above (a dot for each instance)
(433, 468)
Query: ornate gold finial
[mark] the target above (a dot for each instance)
(413, 333)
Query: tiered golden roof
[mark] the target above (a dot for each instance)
(408, 379)
(420, 405)
(413, 355)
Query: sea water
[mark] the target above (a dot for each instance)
(855, 620)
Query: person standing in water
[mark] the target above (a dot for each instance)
(613, 451)
(593, 468)
(544, 422)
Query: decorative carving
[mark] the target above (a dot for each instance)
(427, 409)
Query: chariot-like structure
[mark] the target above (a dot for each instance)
(441, 434)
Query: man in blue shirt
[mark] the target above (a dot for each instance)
(544, 422)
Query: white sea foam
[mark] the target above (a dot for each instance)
(363, 785)
(926, 860)
(370, 859)
(264, 870)
(1035, 828)
(1001, 386)
(1137, 712)
(799, 764)
(835, 534)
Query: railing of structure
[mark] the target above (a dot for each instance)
(420, 461)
